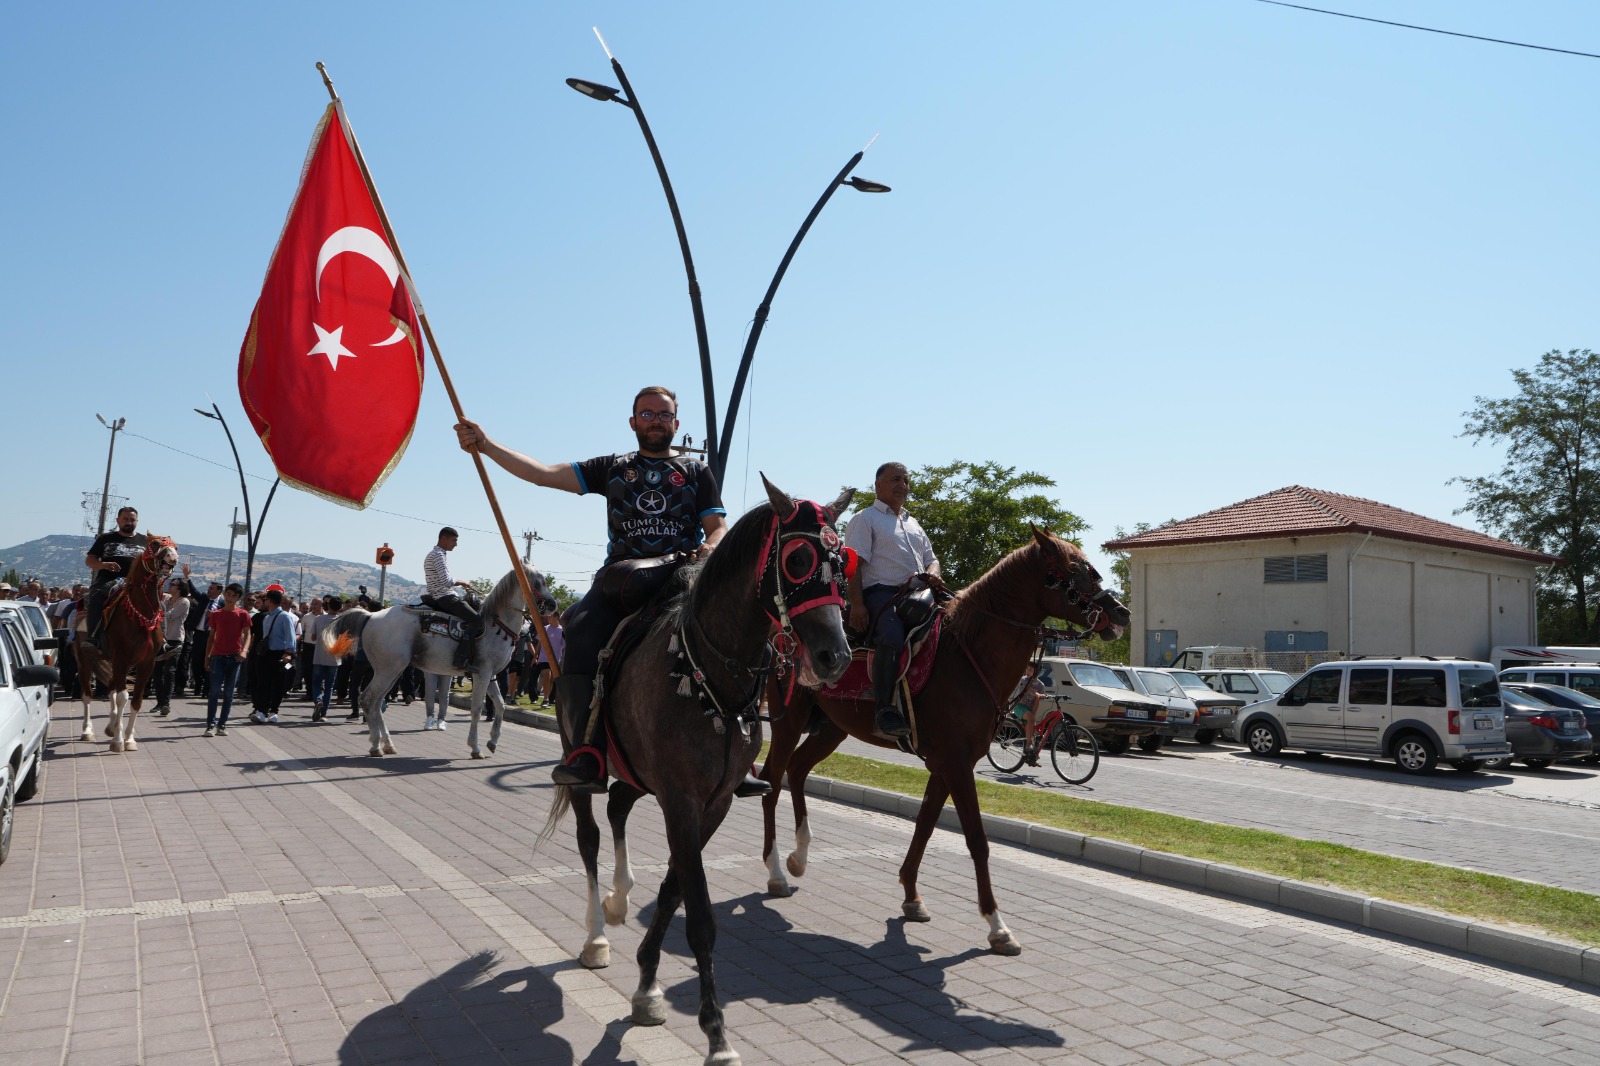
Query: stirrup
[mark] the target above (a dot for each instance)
(891, 723)
(572, 775)
(751, 786)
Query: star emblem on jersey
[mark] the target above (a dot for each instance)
(652, 503)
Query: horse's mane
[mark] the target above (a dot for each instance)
(739, 550)
(509, 586)
(989, 592)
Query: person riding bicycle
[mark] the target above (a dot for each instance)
(1030, 691)
(892, 548)
(111, 556)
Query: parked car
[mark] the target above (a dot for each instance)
(24, 718)
(1252, 686)
(1217, 713)
(1564, 698)
(1415, 710)
(1155, 684)
(1203, 657)
(1585, 677)
(1092, 696)
(1542, 733)
(34, 633)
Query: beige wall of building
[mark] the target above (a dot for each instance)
(1409, 598)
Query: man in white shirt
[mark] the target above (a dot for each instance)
(442, 594)
(892, 548)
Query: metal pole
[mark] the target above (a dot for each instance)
(254, 535)
(243, 489)
(383, 575)
(105, 491)
(233, 535)
(700, 337)
(719, 453)
(449, 387)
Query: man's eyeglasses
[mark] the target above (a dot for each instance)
(657, 416)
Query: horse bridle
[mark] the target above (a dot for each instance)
(1096, 606)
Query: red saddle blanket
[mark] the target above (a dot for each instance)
(856, 684)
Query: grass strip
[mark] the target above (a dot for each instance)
(1561, 912)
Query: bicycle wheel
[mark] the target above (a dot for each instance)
(1074, 753)
(1005, 750)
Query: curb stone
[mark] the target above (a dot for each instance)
(1571, 964)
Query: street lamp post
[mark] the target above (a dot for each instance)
(105, 492)
(717, 444)
(252, 528)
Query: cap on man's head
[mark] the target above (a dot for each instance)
(273, 588)
(6, 586)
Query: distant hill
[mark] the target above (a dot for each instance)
(58, 560)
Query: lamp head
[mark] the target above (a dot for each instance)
(863, 185)
(102, 419)
(594, 89)
(204, 414)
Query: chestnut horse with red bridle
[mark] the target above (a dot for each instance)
(133, 637)
(990, 630)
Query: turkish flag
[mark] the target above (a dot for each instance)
(331, 368)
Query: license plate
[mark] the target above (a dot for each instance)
(1138, 712)
(1483, 721)
(1569, 726)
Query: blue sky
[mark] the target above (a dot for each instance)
(1170, 254)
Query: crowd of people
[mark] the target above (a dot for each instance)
(222, 644)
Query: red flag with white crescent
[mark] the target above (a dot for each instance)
(331, 368)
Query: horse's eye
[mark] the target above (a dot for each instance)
(799, 560)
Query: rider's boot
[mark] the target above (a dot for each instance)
(584, 770)
(751, 786)
(96, 605)
(466, 649)
(885, 673)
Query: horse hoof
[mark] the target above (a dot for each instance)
(649, 1008)
(915, 911)
(388, 749)
(780, 889)
(728, 1057)
(477, 755)
(375, 753)
(116, 746)
(795, 865)
(597, 955)
(88, 735)
(130, 745)
(491, 747)
(1005, 944)
(615, 910)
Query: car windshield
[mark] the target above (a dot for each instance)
(1479, 688)
(1158, 684)
(1094, 674)
(1277, 683)
(1522, 701)
(1187, 678)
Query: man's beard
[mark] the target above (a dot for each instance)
(653, 439)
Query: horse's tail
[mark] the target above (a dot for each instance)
(558, 810)
(340, 637)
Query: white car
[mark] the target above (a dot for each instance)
(1217, 713)
(25, 686)
(1160, 688)
(1252, 686)
(1091, 695)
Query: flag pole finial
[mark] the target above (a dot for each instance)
(327, 81)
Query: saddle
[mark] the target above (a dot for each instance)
(437, 622)
(631, 584)
(916, 661)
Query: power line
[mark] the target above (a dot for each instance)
(1431, 29)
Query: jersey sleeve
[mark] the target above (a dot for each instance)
(707, 496)
(593, 473)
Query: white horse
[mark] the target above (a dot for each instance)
(394, 639)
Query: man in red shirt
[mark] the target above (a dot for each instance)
(227, 646)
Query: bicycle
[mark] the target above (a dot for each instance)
(1073, 751)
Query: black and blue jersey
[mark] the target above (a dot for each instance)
(654, 506)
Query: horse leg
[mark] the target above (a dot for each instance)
(964, 794)
(933, 797)
(372, 697)
(618, 807)
(815, 748)
(141, 678)
(474, 712)
(86, 696)
(499, 703)
(687, 837)
(118, 698)
(596, 952)
(649, 1002)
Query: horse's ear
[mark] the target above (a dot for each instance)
(846, 498)
(1041, 535)
(781, 503)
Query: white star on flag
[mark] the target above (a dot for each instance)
(330, 344)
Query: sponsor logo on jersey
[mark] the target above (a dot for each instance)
(651, 502)
(653, 476)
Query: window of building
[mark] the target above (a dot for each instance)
(1283, 569)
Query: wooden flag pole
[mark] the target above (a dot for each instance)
(444, 376)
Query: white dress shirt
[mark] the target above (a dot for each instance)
(892, 546)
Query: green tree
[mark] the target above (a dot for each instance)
(975, 513)
(482, 585)
(12, 578)
(1547, 494)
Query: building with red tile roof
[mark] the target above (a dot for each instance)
(1305, 570)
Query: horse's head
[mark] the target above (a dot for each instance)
(160, 555)
(1073, 591)
(802, 568)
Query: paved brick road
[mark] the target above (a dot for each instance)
(1539, 826)
(274, 897)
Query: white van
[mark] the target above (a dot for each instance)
(1585, 677)
(1415, 710)
(1541, 655)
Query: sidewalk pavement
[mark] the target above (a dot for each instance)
(275, 896)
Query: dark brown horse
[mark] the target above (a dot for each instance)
(772, 581)
(990, 630)
(133, 637)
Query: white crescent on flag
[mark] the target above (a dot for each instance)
(364, 242)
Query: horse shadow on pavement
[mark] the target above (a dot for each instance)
(761, 957)
(481, 1010)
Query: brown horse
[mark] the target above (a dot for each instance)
(990, 630)
(132, 626)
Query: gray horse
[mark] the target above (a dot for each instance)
(394, 638)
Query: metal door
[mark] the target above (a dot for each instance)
(1366, 708)
(1297, 640)
(1160, 646)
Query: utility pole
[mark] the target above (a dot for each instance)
(528, 537)
(233, 535)
(300, 595)
(105, 493)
